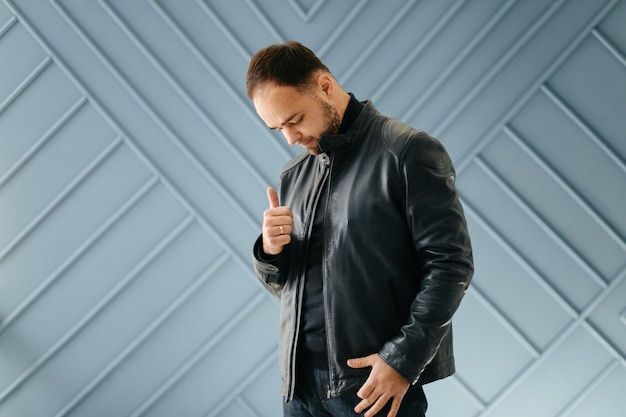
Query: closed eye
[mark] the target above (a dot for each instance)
(292, 120)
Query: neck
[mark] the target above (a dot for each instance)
(342, 103)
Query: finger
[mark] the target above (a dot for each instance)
(359, 362)
(354, 363)
(362, 405)
(366, 391)
(278, 215)
(272, 197)
(284, 229)
(376, 407)
(395, 407)
(373, 404)
(274, 245)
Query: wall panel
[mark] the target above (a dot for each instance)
(133, 171)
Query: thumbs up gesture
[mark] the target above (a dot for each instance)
(277, 225)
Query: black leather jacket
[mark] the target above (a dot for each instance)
(397, 258)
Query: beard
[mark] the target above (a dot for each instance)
(333, 124)
(333, 121)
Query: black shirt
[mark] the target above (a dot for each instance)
(313, 331)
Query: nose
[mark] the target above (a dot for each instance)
(291, 134)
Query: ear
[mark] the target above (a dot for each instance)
(325, 83)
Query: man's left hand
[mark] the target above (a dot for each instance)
(382, 385)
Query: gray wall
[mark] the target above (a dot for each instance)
(132, 177)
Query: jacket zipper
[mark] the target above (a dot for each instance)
(328, 170)
(325, 164)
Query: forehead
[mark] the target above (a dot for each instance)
(274, 102)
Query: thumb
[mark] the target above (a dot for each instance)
(358, 363)
(272, 197)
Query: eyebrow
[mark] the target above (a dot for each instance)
(287, 120)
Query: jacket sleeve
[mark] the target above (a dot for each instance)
(270, 270)
(442, 243)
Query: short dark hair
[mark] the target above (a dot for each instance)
(288, 64)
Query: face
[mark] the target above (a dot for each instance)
(302, 117)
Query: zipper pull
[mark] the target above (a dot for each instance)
(324, 162)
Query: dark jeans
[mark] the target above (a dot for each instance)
(311, 399)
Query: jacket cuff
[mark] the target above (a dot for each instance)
(401, 363)
(268, 268)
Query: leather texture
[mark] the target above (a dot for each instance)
(397, 257)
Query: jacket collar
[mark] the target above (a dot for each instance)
(330, 143)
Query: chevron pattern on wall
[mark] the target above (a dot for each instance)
(132, 178)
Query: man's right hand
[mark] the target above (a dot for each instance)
(277, 225)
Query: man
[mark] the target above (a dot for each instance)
(365, 243)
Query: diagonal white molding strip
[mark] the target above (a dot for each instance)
(467, 159)
(198, 356)
(62, 121)
(69, 189)
(30, 78)
(136, 343)
(57, 273)
(96, 310)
